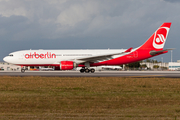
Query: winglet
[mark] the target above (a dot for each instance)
(129, 50)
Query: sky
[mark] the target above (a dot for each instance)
(86, 24)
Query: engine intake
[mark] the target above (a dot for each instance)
(67, 65)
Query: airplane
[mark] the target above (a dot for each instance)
(70, 59)
(112, 67)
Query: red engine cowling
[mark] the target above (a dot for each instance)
(67, 65)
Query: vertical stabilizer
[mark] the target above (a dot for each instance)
(158, 39)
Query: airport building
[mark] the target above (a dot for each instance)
(9, 67)
(151, 65)
(174, 65)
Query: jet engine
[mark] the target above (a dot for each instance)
(67, 65)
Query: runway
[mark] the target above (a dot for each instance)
(169, 74)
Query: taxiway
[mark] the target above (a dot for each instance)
(170, 74)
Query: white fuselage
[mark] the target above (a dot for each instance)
(39, 57)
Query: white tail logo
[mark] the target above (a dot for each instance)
(160, 37)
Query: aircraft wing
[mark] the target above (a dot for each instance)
(99, 57)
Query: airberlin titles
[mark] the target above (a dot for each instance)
(40, 56)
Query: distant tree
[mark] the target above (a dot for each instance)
(141, 61)
(133, 65)
(151, 61)
(155, 61)
(147, 60)
(156, 66)
(143, 66)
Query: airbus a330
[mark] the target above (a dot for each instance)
(70, 59)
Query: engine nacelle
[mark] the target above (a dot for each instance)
(67, 65)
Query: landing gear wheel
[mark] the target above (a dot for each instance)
(92, 70)
(82, 70)
(22, 70)
(87, 70)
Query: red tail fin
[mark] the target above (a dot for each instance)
(158, 39)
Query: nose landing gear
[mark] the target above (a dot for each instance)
(22, 70)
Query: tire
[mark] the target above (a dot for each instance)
(86, 70)
(82, 70)
(22, 70)
(92, 70)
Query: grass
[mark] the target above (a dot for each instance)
(89, 98)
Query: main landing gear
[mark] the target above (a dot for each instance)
(86, 70)
(23, 69)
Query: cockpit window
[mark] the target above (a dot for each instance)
(11, 55)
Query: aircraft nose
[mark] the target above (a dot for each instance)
(5, 59)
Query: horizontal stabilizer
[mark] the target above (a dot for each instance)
(153, 52)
